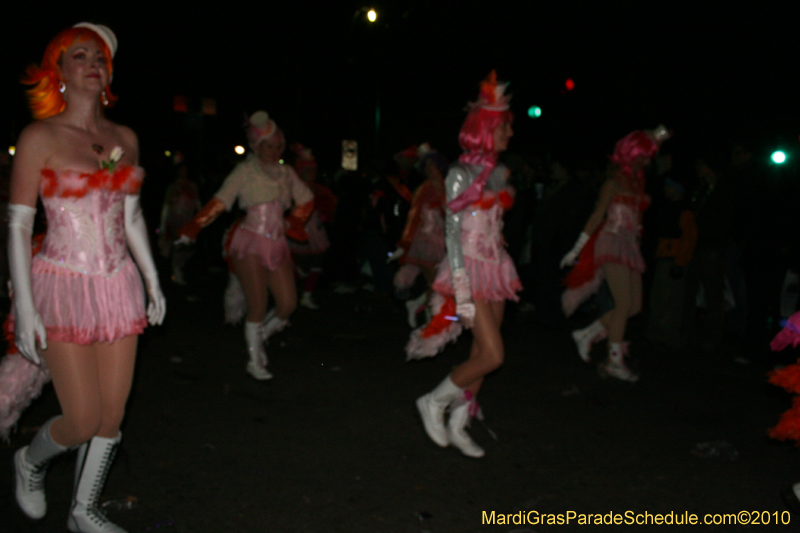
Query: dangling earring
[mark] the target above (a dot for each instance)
(62, 87)
(104, 99)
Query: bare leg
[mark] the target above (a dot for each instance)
(488, 352)
(281, 284)
(92, 384)
(621, 285)
(254, 284)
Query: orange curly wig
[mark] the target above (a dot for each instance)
(44, 98)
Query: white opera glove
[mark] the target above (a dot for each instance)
(397, 254)
(27, 322)
(465, 308)
(139, 244)
(573, 254)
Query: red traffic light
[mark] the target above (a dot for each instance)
(569, 84)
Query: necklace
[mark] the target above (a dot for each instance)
(97, 148)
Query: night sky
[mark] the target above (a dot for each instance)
(709, 74)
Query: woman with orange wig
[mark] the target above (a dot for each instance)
(608, 248)
(79, 304)
(476, 277)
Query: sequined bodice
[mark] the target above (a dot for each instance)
(482, 232)
(624, 215)
(85, 218)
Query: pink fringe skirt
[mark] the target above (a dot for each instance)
(85, 309)
(622, 248)
(489, 281)
(271, 252)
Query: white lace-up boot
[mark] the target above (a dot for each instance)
(257, 355)
(91, 469)
(586, 337)
(615, 364)
(30, 466)
(432, 407)
(460, 417)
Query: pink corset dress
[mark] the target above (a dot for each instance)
(260, 233)
(491, 271)
(86, 287)
(618, 239)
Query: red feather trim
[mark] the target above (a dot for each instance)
(70, 184)
(439, 323)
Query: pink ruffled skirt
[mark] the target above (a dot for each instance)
(622, 248)
(85, 309)
(272, 252)
(489, 281)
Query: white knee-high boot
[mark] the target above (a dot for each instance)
(460, 417)
(30, 466)
(91, 469)
(432, 407)
(257, 355)
(586, 337)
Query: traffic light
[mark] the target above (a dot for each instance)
(534, 111)
(569, 84)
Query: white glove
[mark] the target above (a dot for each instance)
(136, 233)
(28, 324)
(394, 256)
(573, 254)
(465, 308)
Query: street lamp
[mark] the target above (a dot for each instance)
(372, 15)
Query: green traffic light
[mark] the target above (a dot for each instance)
(534, 111)
(778, 157)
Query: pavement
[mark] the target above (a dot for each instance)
(334, 444)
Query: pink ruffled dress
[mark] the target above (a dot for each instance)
(85, 284)
(261, 233)
(620, 235)
(491, 272)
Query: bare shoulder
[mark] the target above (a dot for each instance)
(127, 140)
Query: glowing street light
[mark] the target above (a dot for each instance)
(372, 15)
(778, 157)
(12, 150)
(239, 149)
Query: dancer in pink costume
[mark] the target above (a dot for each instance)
(257, 247)
(421, 247)
(608, 248)
(79, 304)
(477, 276)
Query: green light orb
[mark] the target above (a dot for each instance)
(534, 111)
(778, 157)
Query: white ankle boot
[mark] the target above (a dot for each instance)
(30, 466)
(257, 355)
(586, 337)
(432, 406)
(308, 302)
(615, 364)
(91, 469)
(456, 430)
